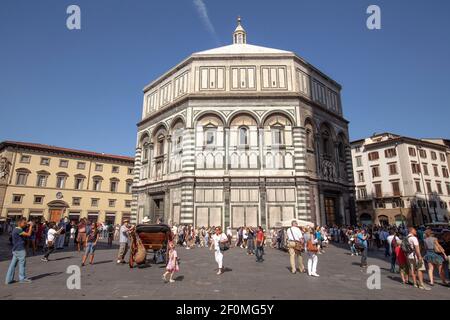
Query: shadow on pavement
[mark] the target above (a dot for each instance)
(63, 258)
(179, 278)
(102, 262)
(5, 249)
(45, 275)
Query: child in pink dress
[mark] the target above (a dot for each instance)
(172, 263)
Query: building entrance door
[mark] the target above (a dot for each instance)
(55, 215)
(157, 207)
(330, 211)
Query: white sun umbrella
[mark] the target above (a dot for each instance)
(301, 223)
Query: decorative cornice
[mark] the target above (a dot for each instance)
(236, 96)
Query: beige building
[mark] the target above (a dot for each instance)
(50, 182)
(401, 179)
(243, 135)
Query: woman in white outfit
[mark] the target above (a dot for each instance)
(312, 249)
(218, 238)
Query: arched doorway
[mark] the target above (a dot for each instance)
(399, 220)
(56, 210)
(365, 219)
(383, 220)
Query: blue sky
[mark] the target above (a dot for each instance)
(83, 89)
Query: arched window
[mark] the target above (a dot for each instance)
(341, 151)
(145, 152)
(243, 136)
(160, 149)
(277, 135)
(280, 129)
(210, 135)
(309, 137)
(177, 136)
(326, 143)
(178, 142)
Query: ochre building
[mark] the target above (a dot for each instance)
(47, 182)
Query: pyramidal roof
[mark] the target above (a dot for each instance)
(241, 48)
(240, 45)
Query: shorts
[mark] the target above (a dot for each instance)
(81, 237)
(90, 248)
(404, 268)
(415, 265)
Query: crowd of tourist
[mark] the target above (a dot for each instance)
(413, 253)
(43, 237)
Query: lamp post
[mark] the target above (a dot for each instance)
(401, 200)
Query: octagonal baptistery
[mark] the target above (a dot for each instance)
(243, 135)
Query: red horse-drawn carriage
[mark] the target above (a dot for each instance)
(146, 237)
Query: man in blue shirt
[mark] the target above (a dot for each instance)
(362, 238)
(19, 252)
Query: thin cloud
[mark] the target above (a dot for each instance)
(203, 13)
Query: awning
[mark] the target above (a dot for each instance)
(15, 213)
(36, 213)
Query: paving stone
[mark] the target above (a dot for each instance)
(340, 278)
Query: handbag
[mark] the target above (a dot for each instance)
(224, 246)
(311, 247)
(299, 246)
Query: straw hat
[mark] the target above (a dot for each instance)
(146, 220)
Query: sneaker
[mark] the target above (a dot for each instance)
(315, 275)
(118, 261)
(424, 287)
(25, 281)
(44, 259)
(171, 281)
(353, 254)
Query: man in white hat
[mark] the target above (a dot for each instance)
(295, 244)
(146, 220)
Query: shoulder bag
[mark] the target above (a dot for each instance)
(311, 247)
(299, 246)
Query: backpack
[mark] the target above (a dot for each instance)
(406, 246)
(393, 244)
(359, 244)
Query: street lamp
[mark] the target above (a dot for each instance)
(401, 211)
(401, 200)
